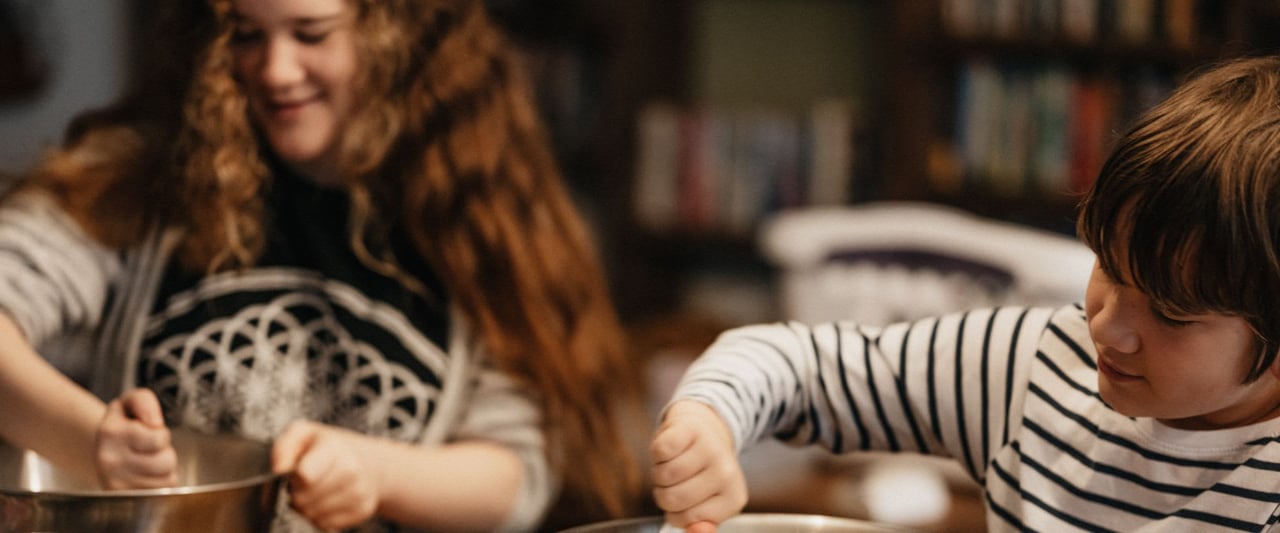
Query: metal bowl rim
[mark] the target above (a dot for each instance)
(144, 493)
(177, 433)
(820, 519)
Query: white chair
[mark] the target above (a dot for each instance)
(883, 262)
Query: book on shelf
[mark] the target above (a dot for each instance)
(657, 165)
(1079, 20)
(1093, 103)
(1135, 20)
(831, 164)
(721, 171)
(1178, 23)
(696, 177)
(1042, 128)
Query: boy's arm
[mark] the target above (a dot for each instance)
(945, 386)
(784, 381)
(942, 386)
(747, 376)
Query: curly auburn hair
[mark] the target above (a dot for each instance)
(447, 145)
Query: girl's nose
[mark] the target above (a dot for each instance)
(280, 66)
(1112, 327)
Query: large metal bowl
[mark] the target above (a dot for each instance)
(750, 523)
(225, 484)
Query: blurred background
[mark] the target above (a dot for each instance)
(704, 138)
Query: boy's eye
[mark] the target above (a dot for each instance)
(1176, 322)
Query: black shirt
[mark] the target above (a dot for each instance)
(308, 332)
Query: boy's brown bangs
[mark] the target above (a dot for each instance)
(1170, 257)
(1153, 226)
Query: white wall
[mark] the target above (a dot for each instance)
(85, 44)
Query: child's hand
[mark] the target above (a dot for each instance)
(696, 475)
(133, 448)
(328, 484)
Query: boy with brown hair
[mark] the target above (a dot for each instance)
(1154, 406)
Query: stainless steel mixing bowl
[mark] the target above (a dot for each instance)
(750, 523)
(225, 484)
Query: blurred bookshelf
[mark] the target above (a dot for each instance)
(1008, 107)
(595, 65)
(683, 125)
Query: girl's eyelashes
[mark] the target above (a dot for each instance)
(250, 35)
(311, 37)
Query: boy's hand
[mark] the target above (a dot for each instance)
(696, 475)
(133, 448)
(328, 484)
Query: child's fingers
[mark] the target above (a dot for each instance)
(155, 459)
(337, 509)
(328, 485)
(160, 465)
(701, 527)
(136, 419)
(150, 460)
(115, 424)
(315, 467)
(338, 520)
(151, 473)
(707, 515)
(134, 449)
(147, 440)
(141, 404)
(669, 442)
(678, 469)
(290, 445)
(689, 493)
(133, 471)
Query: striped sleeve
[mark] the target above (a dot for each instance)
(53, 276)
(950, 385)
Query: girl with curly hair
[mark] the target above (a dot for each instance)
(337, 225)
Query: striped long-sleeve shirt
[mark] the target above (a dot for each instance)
(1010, 393)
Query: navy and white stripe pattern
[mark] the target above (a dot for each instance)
(1010, 393)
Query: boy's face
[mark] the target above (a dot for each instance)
(1187, 371)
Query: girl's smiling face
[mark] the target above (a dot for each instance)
(296, 60)
(1186, 370)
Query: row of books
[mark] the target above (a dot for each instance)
(1178, 23)
(1044, 127)
(721, 171)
